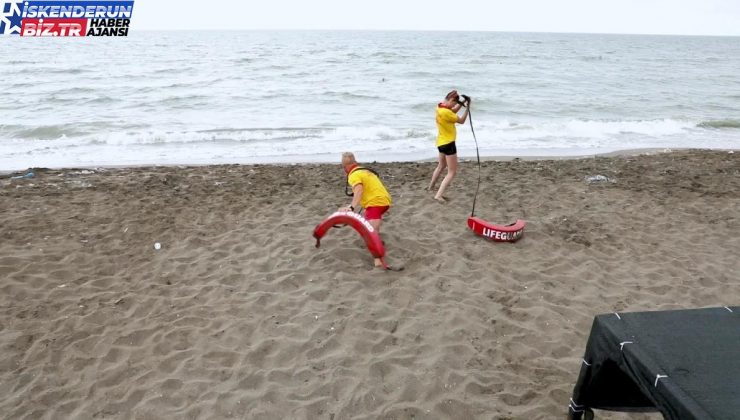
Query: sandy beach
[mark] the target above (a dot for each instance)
(238, 315)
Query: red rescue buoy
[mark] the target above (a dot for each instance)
(358, 223)
(497, 233)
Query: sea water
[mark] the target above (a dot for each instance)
(305, 96)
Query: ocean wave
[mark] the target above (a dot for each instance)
(181, 101)
(496, 56)
(385, 54)
(424, 106)
(419, 73)
(63, 98)
(505, 131)
(174, 70)
(273, 66)
(74, 133)
(203, 137)
(720, 124)
(591, 57)
(56, 70)
(178, 85)
(73, 90)
(16, 62)
(55, 99)
(65, 136)
(117, 145)
(102, 100)
(346, 95)
(580, 130)
(596, 128)
(258, 129)
(174, 87)
(270, 135)
(512, 131)
(47, 132)
(21, 85)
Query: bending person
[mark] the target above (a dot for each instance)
(369, 193)
(446, 118)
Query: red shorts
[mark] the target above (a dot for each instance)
(372, 213)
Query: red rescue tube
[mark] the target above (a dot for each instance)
(497, 233)
(359, 223)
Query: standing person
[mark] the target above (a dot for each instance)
(446, 118)
(369, 193)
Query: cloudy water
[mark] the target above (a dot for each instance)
(244, 97)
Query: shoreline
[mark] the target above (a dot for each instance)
(488, 158)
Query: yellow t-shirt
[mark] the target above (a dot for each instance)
(446, 120)
(374, 193)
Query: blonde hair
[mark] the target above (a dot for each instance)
(348, 158)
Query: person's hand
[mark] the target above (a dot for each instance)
(345, 208)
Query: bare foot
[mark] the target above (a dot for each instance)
(395, 267)
(441, 199)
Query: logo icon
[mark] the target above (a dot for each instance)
(65, 17)
(10, 18)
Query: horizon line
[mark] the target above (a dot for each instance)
(427, 30)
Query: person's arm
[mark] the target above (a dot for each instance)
(461, 119)
(456, 108)
(357, 190)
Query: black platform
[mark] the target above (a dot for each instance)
(684, 364)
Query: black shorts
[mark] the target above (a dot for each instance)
(448, 149)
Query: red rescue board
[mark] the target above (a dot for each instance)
(497, 233)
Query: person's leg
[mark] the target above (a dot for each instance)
(441, 165)
(375, 223)
(451, 171)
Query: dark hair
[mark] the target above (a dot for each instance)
(452, 94)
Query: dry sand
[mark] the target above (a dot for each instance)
(239, 316)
